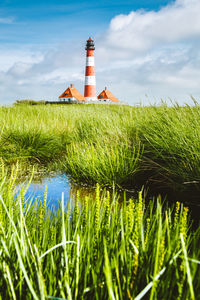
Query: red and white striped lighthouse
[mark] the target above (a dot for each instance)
(90, 80)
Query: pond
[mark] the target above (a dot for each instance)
(56, 185)
(60, 183)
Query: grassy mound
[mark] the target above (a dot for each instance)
(106, 144)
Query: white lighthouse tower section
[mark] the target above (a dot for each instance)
(90, 61)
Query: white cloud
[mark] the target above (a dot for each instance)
(140, 31)
(154, 53)
(9, 57)
(34, 75)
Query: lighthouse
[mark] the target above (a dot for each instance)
(90, 80)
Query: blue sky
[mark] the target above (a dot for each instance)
(145, 50)
(45, 22)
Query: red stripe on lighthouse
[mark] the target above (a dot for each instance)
(90, 80)
(89, 71)
(90, 52)
(90, 90)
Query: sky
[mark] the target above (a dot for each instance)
(146, 50)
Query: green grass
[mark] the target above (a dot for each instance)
(121, 144)
(102, 162)
(98, 249)
(29, 102)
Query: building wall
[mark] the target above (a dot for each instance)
(106, 100)
(98, 101)
(70, 99)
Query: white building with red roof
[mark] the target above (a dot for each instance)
(107, 97)
(72, 95)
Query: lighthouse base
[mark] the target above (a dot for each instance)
(91, 98)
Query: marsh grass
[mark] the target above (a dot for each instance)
(104, 163)
(29, 102)
(171, 138)
(95, 249)
(121, 144)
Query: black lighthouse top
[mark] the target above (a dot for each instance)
(90, 44)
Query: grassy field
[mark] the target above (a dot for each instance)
(156, 146)
(100, 248)
(95, 249)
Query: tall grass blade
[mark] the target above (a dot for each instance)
(34, 295)
(187, 268)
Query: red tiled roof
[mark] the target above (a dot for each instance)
(106, 94)
(72, 92)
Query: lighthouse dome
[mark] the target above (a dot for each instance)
(90, 44)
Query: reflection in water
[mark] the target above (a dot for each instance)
(58, 184)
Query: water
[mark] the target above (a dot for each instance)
(60, 183)
(56, 185)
